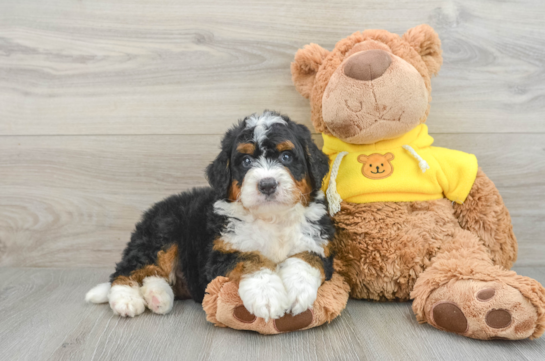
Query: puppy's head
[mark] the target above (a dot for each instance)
(269, 164)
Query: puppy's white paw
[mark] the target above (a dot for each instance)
(263, 294)
(302, 282)
(126, 301)
(158, 294)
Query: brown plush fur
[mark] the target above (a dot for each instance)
(484, 214)
(441, 255)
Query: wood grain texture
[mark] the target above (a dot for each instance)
(109, 106)
(72, 201)
(44, 317)
(193, 67)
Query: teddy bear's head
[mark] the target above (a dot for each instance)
(372, 86)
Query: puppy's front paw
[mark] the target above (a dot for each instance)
(301, 297)
(158, 294)
(302, 282)
(263, 294)
(126, 301)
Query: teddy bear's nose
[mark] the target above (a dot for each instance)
(367, 65)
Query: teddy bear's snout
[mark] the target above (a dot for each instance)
(367, 65)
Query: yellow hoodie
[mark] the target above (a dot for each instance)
(404, 169)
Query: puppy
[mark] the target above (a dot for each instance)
(263, 224)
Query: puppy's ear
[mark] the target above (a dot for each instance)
(219, 174)
(318, 162)
(426, 42)
(305, 66)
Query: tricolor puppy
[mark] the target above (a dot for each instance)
(262, 223)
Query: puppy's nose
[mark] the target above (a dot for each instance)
(267, 186)
(367, 65)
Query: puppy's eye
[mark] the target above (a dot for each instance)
(247, 161)
(286, 157)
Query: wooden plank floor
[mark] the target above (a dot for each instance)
(44, 317)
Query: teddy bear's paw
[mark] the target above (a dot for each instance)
(126, 301)
(263, 294)
(158, 295)
(481, 310)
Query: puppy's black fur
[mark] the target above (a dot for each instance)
(188, 220)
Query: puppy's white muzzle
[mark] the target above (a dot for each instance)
(267, 187)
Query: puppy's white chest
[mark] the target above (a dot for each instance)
(274, 241)
(278, 238)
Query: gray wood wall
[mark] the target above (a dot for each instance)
(107, 107)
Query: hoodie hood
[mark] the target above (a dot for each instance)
(416, 138)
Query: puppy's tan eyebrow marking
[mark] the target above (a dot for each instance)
(285, 145)
(246, 148)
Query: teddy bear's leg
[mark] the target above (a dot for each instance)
(484, 214)
(462, 291)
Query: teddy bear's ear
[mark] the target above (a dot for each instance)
(305, 66)
(426, 42)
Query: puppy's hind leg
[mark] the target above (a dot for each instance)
(158, 294)
(125, 298)
(148, 286)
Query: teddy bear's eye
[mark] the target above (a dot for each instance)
(382, 164)
(370, 165)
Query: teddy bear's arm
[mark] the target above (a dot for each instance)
(484, 213)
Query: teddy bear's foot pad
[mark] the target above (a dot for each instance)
(289, 322)
(243, 315)
(449, 316)
(482, 310)
(285, 323)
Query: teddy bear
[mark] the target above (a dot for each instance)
(414, 221)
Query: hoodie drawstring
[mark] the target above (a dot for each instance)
(333, 197)
(421, 162)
